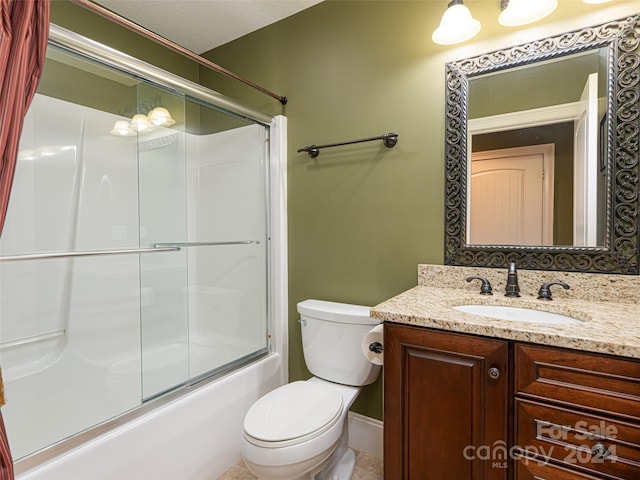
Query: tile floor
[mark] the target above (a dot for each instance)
(368, 467)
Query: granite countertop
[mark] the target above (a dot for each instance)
(606, 304)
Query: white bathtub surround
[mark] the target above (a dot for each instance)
(86, 314)
(171, 265)
(195, 437)
(66, 324)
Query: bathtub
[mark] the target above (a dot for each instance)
(102, 312)
(195, 436)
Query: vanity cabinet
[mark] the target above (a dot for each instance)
(577, 410)
(464, 407)
(445, 396)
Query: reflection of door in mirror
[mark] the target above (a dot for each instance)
(511, 196)
(560, 135)
(585, 167)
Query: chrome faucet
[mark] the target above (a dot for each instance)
(512, 289)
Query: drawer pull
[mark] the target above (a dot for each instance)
(600, 451)
(494, 373)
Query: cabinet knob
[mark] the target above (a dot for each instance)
(494, 373)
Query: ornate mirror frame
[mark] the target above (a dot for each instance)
(620, 252)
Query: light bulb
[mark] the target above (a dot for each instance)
(521, 12)
(140, 123)
(122, 128)
(457, 25)
(160, 116)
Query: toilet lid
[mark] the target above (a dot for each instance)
(292, 411)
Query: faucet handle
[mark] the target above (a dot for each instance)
(545, 291)
(485, 289)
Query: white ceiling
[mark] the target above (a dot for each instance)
(200, 25)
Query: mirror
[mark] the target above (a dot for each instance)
(533, 136)
(541, 150)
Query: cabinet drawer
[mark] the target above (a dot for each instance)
(530, 469)
(598, 382)
(589, 443)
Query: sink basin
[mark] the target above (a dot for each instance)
(517, 314)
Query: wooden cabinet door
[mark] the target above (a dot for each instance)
(445, 405)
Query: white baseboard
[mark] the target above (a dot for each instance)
(365, 434)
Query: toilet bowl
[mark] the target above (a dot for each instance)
(294, 431)
(300, 430)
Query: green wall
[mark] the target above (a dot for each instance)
(360, 217)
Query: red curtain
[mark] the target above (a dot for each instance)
(23, 42)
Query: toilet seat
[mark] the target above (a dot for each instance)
(292, 414)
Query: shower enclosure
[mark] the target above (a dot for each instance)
(135, 256)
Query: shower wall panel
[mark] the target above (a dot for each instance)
(227, 283)
(85, 339)
(69, 328)
(163, 278)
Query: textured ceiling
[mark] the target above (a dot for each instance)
(200, 25)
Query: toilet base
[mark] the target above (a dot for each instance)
(333, 460)
(342, 470)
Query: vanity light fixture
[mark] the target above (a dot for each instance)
(521, 12)
(158, 117)
(122, 128)
(140, 123)
(457, 25)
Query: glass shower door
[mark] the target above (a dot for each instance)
(69, 325)
(227, 237)
(202, 188)
(157, 243)
(163, 220)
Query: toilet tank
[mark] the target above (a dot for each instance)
(331, 341)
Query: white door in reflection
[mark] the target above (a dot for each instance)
(511, 196)
(585, 167)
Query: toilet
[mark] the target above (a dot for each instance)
(300, 430)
